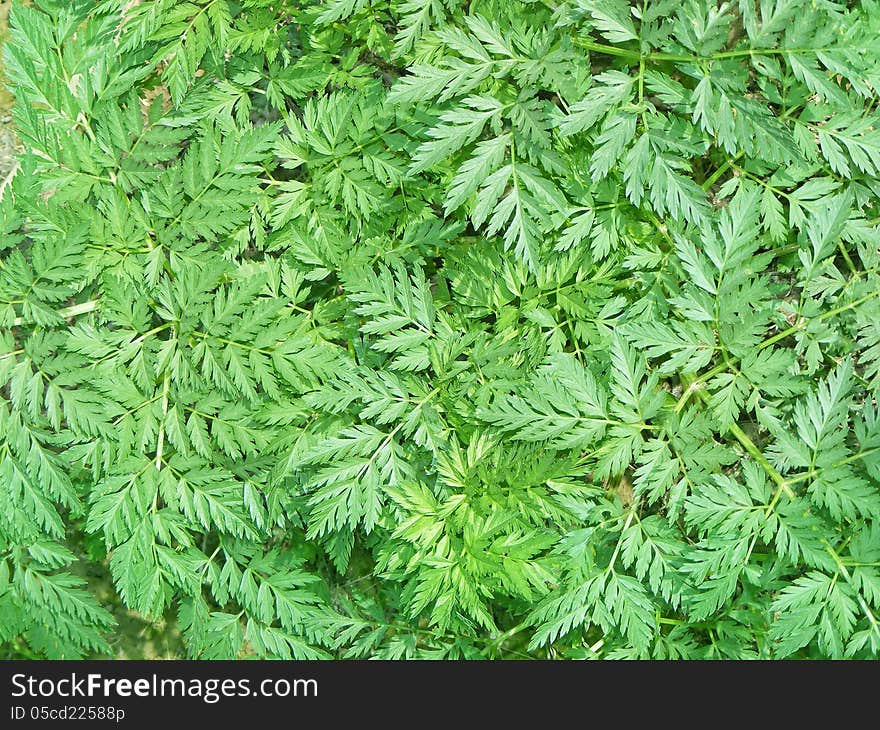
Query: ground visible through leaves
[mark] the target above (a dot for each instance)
(134, 637)
(8, 143)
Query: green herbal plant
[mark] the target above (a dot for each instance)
(441, 329)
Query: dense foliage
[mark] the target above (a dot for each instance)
(428, 328)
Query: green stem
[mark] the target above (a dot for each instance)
(629, 519)
(861, 601)
(74, 310)
(697, 384)
(710, 181)
(749, 445)
(160, 441)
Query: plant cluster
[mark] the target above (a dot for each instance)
(444, 329)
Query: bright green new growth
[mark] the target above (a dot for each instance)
(438, 329)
